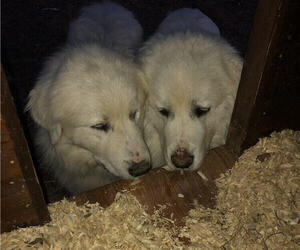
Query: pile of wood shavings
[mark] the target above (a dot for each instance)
(258, 202)
(123, 225)
(257, 208)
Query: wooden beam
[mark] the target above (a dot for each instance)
(266, 99)
(161, 187)
(22, 201)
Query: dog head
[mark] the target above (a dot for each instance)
(192, 83)
(91, 99)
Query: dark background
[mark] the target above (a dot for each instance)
(33, 30)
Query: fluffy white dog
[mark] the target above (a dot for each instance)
(192, 76)
(88, 103)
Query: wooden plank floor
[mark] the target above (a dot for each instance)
(160, 186)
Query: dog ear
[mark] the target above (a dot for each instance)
(221, 121)
(39, 106)
(233, 65)
(55, 133)
(142, 89)
(223, 112)
(142, 84)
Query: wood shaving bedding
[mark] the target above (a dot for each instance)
(258, 207)
(258, 201)
(202, 175)
(135, 181)
(123, 225)
(166, 167)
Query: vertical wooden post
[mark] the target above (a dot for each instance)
(267, 99)
(22, 201)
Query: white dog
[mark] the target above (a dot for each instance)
(88, 102)
(192, 76)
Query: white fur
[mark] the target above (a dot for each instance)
(91, 81)
(187, 20)
(186, 63)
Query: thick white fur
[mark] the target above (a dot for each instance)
(187, 63)
(91, 81)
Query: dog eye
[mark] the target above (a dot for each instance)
(164, 112)
(198, 112)
(101, 126)
(132, 115)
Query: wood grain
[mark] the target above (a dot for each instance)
(268, 95)
(160, 187)
(22, 202)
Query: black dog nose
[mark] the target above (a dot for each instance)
(140, 168)
(182, 159)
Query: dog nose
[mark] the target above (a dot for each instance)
(139, 168)
(182, 159)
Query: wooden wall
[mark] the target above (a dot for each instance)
(22, 201)
(269, 93)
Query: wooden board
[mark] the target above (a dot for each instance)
(22, 202)
(161, 187)
(268, 95)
